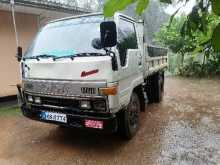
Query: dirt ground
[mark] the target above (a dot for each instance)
(184, 129)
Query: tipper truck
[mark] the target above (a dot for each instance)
(91, 72)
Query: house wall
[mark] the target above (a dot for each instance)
(27, 25)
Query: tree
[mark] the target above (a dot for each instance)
(194, 46)
(154, 17)
(170, 36)
(197, 20)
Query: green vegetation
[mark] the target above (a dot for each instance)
(197, 20)
(170, 36)
(194, 38)
(194, 56)
(9, 111)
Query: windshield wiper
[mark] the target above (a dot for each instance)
(40, 56)
(79, 55)
(68, 56)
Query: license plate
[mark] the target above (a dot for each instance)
(53, 117)
(94, 124)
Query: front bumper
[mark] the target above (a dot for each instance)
(75, 117)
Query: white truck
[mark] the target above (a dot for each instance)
(91, 72)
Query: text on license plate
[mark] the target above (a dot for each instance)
(54, 116)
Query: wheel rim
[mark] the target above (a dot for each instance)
(133, 114)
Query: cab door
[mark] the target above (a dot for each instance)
(130, 59)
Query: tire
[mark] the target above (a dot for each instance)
(150, 89)
(129, 118)
(159, 87)
(155, 87)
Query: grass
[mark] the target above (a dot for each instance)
(9, 111)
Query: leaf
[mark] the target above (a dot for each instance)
(123, 4)
(111, 6)
(173, 15)
(141, 6)
(197, 51)
(216, 6)
(216, 38)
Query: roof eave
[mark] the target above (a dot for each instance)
(77, 16)
(49, 6)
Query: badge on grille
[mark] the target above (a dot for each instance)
(90, 91)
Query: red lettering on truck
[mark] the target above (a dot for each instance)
(84, 73)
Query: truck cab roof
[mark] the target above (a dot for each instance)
(92, 14)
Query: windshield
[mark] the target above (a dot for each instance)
(68, 37)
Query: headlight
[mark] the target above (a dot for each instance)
(99, 105)
(37, 100)
(85, 104)
(30, 98)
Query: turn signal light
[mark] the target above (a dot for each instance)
(109, 90)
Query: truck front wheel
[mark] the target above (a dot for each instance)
(129, 118)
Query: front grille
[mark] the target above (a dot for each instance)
(60, 102)
(63, 88)
(65, 104)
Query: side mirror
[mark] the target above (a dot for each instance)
(96, 43)
(19, 53)
(108, 34)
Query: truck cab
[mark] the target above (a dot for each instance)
(90, 72)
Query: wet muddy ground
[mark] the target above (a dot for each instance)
(184, 129)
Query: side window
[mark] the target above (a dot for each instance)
(127, 39)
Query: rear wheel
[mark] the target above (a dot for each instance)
(129, 118)
(155, 87)
(159, 87)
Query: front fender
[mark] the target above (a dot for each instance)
(126, 87)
